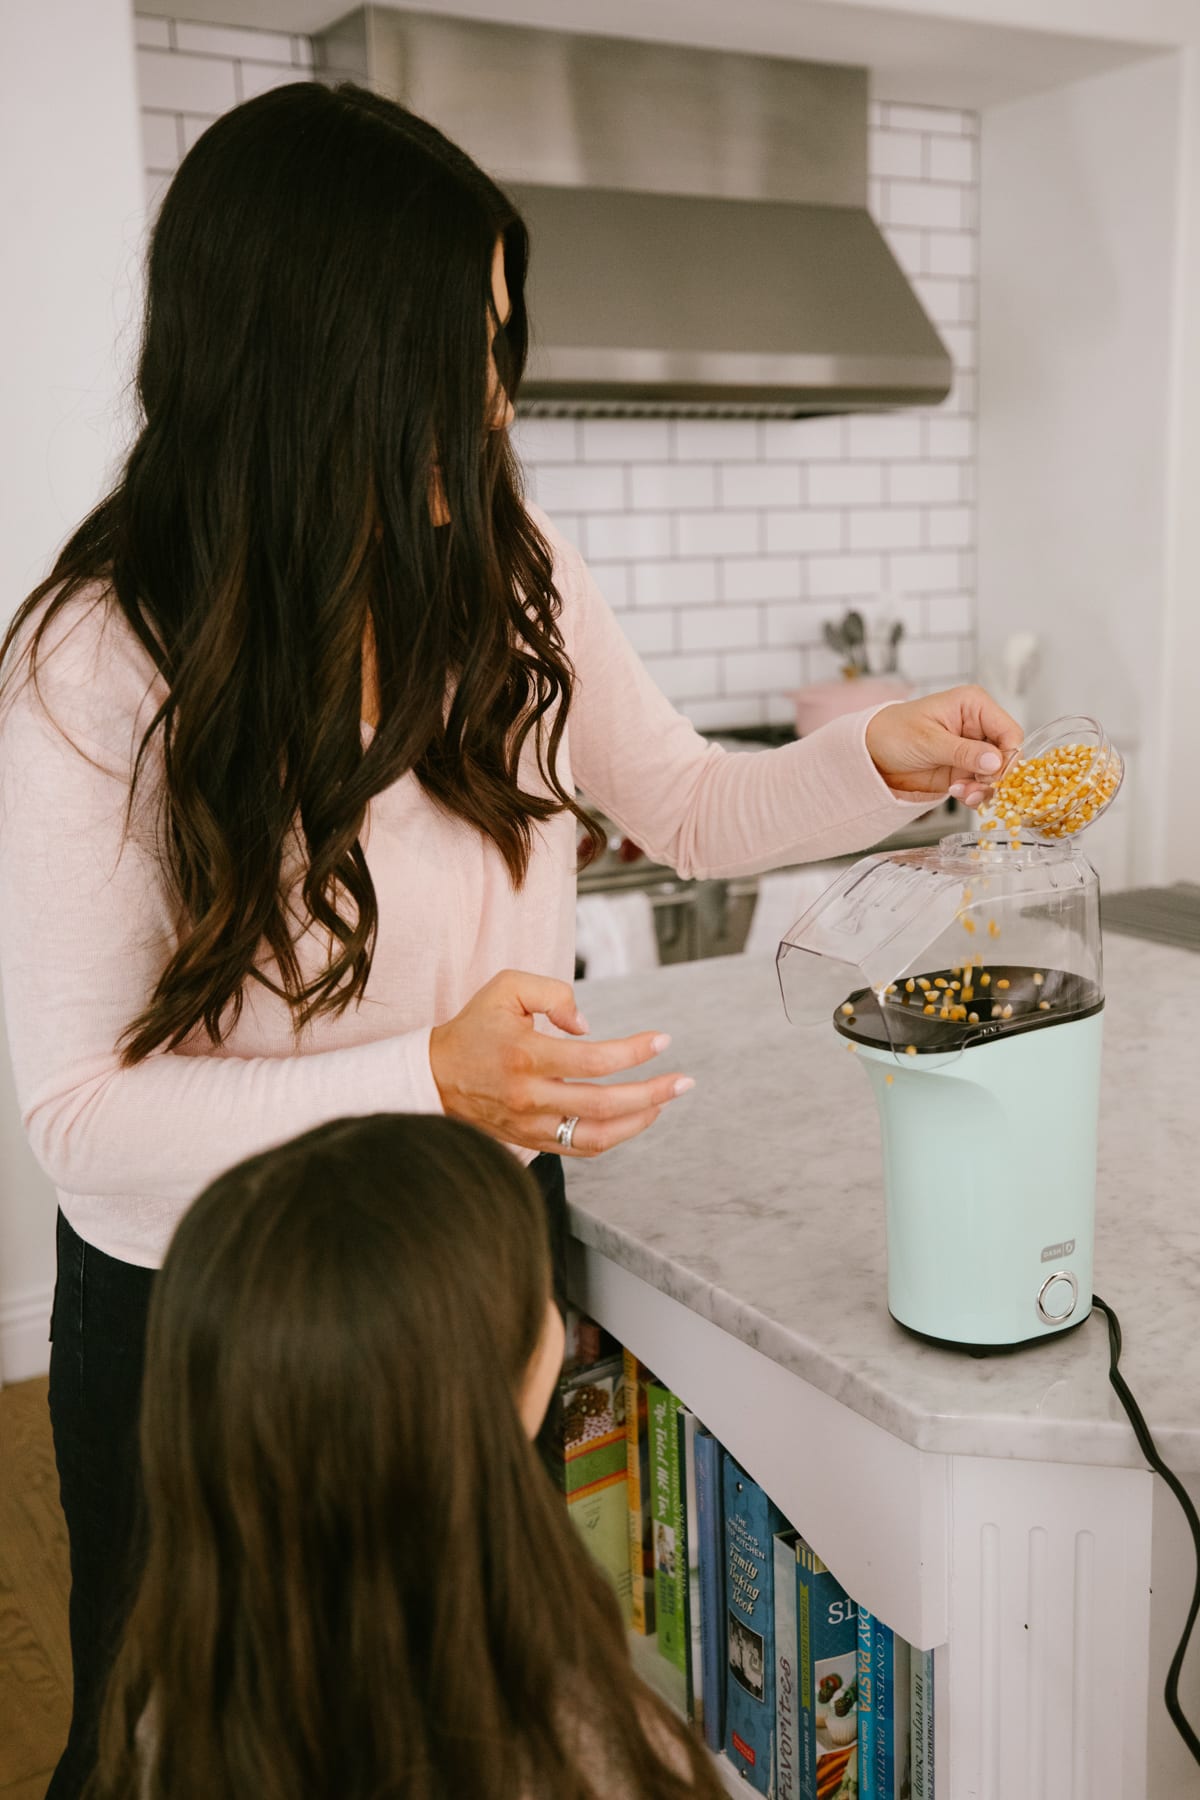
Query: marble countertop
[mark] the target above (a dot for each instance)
(757, 1201)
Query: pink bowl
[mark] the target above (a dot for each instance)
(822, 701)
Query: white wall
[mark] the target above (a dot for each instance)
(72, 211)
(1077, 313)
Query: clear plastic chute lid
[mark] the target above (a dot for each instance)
(925, 952)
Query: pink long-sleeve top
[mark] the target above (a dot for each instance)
(86, 924)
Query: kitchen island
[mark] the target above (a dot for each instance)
(996, 1509)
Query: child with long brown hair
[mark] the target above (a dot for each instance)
(359, 1583)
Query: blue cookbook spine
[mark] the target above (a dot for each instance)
(921, 1723)
(751, 1521)
(890, 1698)
(710, 1530)
(788, 1723)
(866, 1709)
(827, 1625)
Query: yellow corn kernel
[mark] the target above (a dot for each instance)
(910, 1049)
(889, 1079)
(985, 981)
(972, 1018)
(848, 1010)
(1002, 984)
(993, 929)
(1043, 1006)
(1007, 1013)
(1038, 980)
(929, 1010)
(924, 983)
(941, 982)
(990, 824)
(968, 993)
(852, 1048)
(969, 926)
(909, 985)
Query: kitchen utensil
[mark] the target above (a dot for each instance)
(854, 635)
(969, 980)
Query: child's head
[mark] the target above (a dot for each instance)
(358, 1579)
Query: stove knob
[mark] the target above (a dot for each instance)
(1057, 1297)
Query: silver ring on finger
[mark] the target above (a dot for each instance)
(566, 1132)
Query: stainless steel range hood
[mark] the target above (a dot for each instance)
(701, 240)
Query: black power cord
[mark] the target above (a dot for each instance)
(1142, 1432)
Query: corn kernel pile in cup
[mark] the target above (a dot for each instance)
(1058, 793)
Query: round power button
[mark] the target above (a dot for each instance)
(1057, 1297)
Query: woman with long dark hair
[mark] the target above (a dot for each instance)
(358, 1582)
(289, 743)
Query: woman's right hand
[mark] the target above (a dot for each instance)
(494, 1069)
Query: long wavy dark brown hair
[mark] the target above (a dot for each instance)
(314, 365)
(360, 1583)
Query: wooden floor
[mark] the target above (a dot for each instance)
(35, 1658)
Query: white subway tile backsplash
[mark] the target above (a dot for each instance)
(925, 483)
(233, 41)
(883, 437)
(752, 578)
(618, 535)
(686, 677)
(804, 530)
(896, 153)
(949, 437)
(951, 159)
(924, 571)
(706, 440)
(845, 484)
(947, 614)
(260, 78)
(723, 545)
(835, 577)
(760, 484)
(952, 527)
(946, 300)
(160, 142)
(720, 628)
(906, 245)
(152, 34)
(921, 204)
(719, 533)
(173, 83)
(951, 253)
(761, 671)
(682, 485)
(651, 633)
(194, 126)
(613, 580)
(680, 582)
(794, 622)
(546, 440)
(886, 528)
(580, 487)
(625, 440)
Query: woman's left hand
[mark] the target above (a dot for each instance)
(954, 743)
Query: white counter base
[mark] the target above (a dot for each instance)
(1030, 1578)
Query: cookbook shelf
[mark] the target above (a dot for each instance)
(668, 1684)
(1021, 1576)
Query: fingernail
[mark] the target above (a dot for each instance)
(660, 1043)
(989, 762)
(683, 1085)
(581, 1021)
(958, 789)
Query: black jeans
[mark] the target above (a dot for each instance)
(98, 1332)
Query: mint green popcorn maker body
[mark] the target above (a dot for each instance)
(969, 979)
